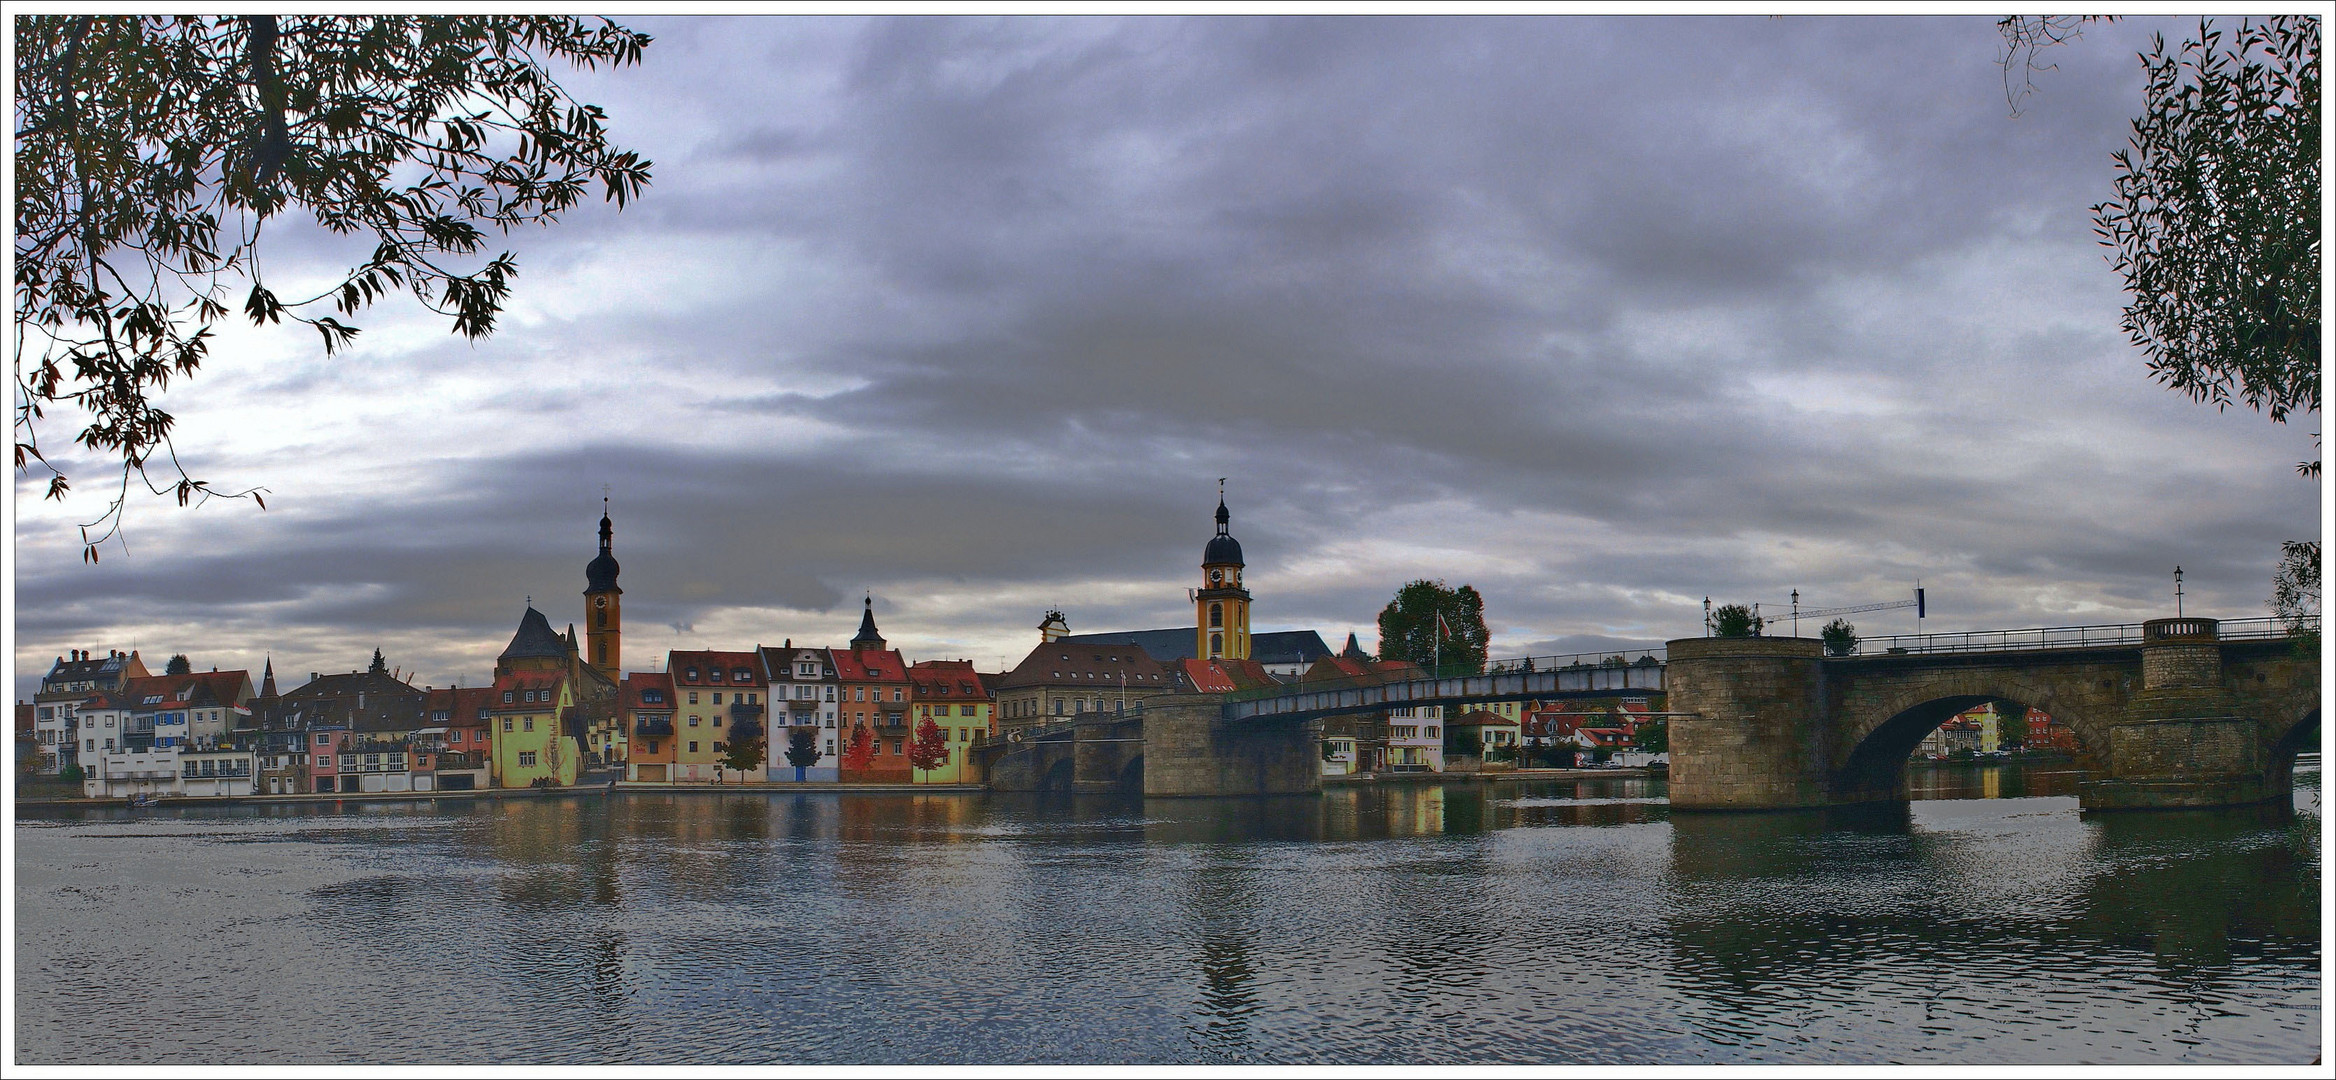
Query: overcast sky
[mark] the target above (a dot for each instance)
(1599, 316)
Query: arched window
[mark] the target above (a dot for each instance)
(1216, 644)
(1216, 614)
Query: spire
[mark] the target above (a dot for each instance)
(268, 678)
(600, 573)
(867, 638)
(1224, 516)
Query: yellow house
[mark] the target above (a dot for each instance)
(534, 725)
(528, 721)
(952, 696)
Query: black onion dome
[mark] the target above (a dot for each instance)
(1223, 549)
(600, 573)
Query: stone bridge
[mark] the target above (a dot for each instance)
(2176, 717)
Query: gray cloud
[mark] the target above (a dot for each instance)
(1600, 315)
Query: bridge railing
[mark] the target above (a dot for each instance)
(2099, 636)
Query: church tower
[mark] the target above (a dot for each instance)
(604, 618)
(1221, 604)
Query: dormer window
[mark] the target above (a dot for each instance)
(741, 675)
(690, 673)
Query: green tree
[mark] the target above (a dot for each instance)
(178, 665)
(1435, 626)
(929, 750)
(2011, 724)
(802, 749)
(2216, 217)
(1840, 638)
(2295, 594)
(1654, 737)
(2215, 222)
(152, 152)
(745, 753)
(1734, 620)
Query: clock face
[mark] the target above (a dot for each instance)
(1216, 577)
(600, 601)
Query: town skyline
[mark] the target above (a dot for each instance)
(979, 343)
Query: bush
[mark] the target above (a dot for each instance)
(71, 774)
(1840, 638)
(1734, 620)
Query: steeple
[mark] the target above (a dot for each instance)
(603, 605)
(867, 638)
(268, 678)
(1221, 605)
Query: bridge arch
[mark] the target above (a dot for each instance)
(2286, 739)
(1877, 734)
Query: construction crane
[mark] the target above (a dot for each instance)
(1819, 613)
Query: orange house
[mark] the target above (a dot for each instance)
(872, 693)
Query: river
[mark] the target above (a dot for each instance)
(1568, 922)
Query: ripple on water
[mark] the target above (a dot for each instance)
(1544, 923)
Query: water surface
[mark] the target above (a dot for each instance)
(1521, 922)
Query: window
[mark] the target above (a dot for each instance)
(693, 720)
(652, 746)
(807, 670)
(693, 697)
(527, 724)
(506, 723)
(965, 710)
(717, 719)
(717, 697)
(690, 673)
(321, 740)
(693, 746)
(324, 761)
(1058, 706)
(741, 675)
(1216, 615)
(653, 697)
(506, 697)
(714, 674)
(527, 759)
(857, 693)
(896, 693)
(829, 695)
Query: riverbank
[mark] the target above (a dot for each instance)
(1491, 777)
(44, 802)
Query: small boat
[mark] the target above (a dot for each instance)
(144, 799)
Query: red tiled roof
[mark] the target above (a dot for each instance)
(696, 667)
(526, 680)
(1479, 718)
(870, 665)
(1205, 677)
(946, 678)
(647, 680)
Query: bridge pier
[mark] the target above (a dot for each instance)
(2181, 741)
(1757, 739)
(1191, 749)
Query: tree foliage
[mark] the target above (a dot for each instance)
(930, 749)
(2216, 218)
(861, 751)
(802, 747)
(1409, 627)
(2295, 593)
(745, 753)
(1840, 638)
(1654, 737)
(2011, 724)
(1734, 620)
(178, 665)
(152, 151)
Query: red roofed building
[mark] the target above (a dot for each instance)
(458, 716)
(721, 695)
(872, 687)
(950, 694)
(645, 704)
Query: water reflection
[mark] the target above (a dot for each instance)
(1487, 922)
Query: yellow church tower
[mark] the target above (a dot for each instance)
(604, 619)
(1221, 604)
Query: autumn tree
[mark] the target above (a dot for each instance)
(1435, 626)
(930, 749)
(152, 152)
(802, 749)
(861, 751)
